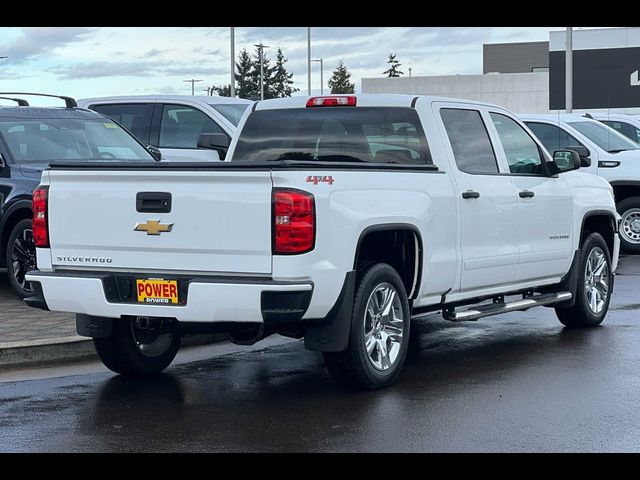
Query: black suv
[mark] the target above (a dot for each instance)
(30, 139)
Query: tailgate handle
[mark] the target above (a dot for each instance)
(153, 202)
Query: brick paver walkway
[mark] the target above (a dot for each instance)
(19, 322)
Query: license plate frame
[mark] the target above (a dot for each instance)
(157, 291)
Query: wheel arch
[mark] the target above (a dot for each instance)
(17, 211)
(412, 276)
(623, 189)
(603, 222)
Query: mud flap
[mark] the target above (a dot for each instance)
(334, 335)
(95, 327)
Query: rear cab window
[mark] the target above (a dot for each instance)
(135, 117)
(391, 135)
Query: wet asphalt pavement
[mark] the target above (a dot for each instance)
(517, 382)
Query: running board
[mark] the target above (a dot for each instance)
(497, 308)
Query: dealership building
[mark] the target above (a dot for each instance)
(529, 77)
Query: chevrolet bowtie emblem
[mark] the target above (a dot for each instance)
(153, 227)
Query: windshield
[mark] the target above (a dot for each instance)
(47, 140)
(232, 112)
(334, 134)
(605, 137)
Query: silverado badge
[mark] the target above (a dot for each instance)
(153, 227)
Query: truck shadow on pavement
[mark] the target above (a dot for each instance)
(237, 402)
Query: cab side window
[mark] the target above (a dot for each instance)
(135, 117)
(521, 151)
(552, 137)
(469, 140)
(181, 125)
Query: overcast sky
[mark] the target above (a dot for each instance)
(84, 62)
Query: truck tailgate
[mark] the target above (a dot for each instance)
(219, 221)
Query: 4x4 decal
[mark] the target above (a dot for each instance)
(315, 179)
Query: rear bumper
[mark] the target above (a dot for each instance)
(216, 299)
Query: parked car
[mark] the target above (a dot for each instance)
(336, 219)
(30, 138)
(604, 152)
(177, 124)
(624, 123)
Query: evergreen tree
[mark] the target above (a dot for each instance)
(393, 70)
(267, 75)
(339, 82)
(282, 80)
(245, 81)
(223, 91)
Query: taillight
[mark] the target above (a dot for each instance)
(40, 223)
(294, 221)
(340, 101)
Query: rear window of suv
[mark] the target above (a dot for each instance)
(334, 134)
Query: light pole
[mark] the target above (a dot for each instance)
(261, 48)
(409, 72)
(309, 61)
(568, 88)
(233, 64)
(193, 82)
(321, 74)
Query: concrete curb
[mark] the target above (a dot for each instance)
(69, 349)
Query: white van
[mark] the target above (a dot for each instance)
(174, 123)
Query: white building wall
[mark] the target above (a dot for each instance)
(518, 92)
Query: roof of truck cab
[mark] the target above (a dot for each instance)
(364, 100)
(556, 117)
(28, 113)
(215, 100)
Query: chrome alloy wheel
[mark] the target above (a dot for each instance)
(23, 259)
(596, 280)
(630, 225)
(383, 326)
(149, 343)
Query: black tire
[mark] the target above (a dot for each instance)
(629, 237)
(581, 314)
(20, 257)
(353, 367)
(122, 354)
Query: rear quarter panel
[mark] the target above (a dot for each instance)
(360, 199)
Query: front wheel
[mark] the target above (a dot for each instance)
(595, 283)
(629, 210)
(379, 335)
(132, 350)
(21, 257)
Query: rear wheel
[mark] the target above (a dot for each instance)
(379, 334)
(21, 257)
(132, 350)
(629, 210)
(595, 282)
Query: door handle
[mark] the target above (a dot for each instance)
(527, 194)
(470, 194)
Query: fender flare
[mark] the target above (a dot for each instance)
(18, 204)
(332, 335)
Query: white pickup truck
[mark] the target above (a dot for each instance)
(337, 219)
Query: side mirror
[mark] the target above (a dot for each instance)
(155, 152)
(214, 141)
(584, 154)
(564, 161)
